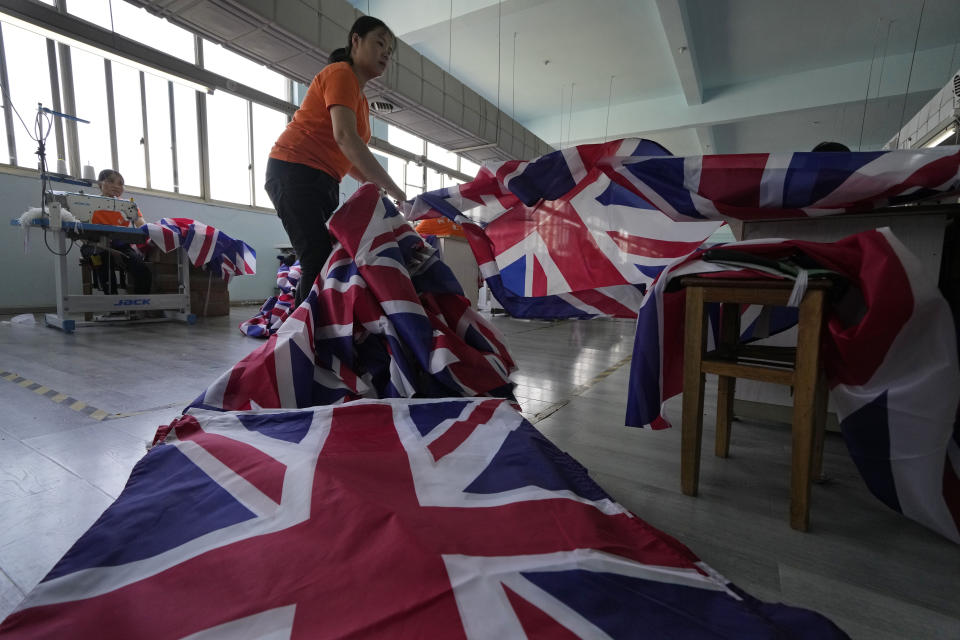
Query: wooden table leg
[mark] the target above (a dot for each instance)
(804, 392)
(695, 334)
(729, 338)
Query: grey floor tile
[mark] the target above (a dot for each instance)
(40, 528)
(24, 472)
(98, 453)
(10, 596)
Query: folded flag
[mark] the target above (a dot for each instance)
(890, 359)
(447, 518)
(276, 309)
(385, 319)
(206, 247)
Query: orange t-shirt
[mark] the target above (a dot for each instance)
(308, 139)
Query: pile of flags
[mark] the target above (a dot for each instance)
(277, 308)
(206, 247)
(385, 319)
(584, 231)
(889, 351)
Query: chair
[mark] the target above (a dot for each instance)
(798, 367)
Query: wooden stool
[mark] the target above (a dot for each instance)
(798, 367)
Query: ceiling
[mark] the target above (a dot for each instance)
(698, 76)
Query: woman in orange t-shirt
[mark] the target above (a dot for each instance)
(326, 140)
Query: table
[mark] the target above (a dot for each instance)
(176, 306)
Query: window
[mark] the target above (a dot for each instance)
(413, 186)
(441, 156)
(267, 125)
(233, 65)
(136, 24)
(469, 168)
(158, 132)
(29, 78)
(406, 141)
(188, 140)
(90, 96)
(434, 180)
(227, 131)
(129, 116)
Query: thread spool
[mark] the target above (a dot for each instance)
(88, 173)
(61, 166)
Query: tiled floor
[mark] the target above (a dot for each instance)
(873, 572)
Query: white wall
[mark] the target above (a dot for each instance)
(27, 281)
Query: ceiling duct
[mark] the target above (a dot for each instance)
(295, 37)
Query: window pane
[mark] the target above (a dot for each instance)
(469, 168)
(90, 94)
(4, 157)
(233, 65)
(406, 141)
(414, 184)
(434, 180)
(136, 23)
(29, 78)
(227, 130)
(158, 130)
(188, 141)
(441, 155)
(267, 125)
(126, 103)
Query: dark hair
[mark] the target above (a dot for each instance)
(106, 174)
(363, 26)
(831, 146)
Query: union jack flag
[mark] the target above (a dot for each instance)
(891, 362)
(583, 231)
(446, 518)
(385, 319)
(564, 235)
(276, 309)
(206, 246)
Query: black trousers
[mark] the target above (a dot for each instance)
(304, 198)
(136, 274)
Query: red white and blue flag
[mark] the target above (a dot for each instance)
(582, 231)
(449, 518)
(206, 247)
(891, 364)
(564, 235)
(277, 308)
(385, 319)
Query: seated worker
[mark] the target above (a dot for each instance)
(125, 257)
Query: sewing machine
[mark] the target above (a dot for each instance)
(83, 206)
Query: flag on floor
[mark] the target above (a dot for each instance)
(583, 231)
(206, 247)
(277, 308)
(890, 359)
(447, 518)
(385, 319)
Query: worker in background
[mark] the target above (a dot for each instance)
(831, 146)
(326, 140)
(119, 256)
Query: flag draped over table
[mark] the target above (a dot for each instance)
(449, 518)
(582, 231)
(206, 247)
(385, 319)
(276, 309)
(892, 366)
(564, 235)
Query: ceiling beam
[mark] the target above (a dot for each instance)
(676, 28)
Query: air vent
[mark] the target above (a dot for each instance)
(383, 106)
(956, 85)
